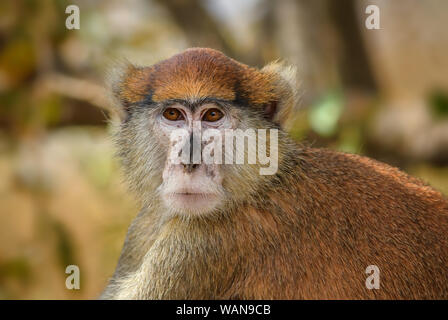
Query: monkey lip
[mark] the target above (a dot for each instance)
(192, 195)
(192, 201)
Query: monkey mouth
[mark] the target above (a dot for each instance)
(191, 202)
(192, 195)
(189, 193)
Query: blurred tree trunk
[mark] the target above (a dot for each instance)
(302, 33)
(199, 26)
(354, 65)
(323, 39)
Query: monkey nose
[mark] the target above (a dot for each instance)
(190, 167)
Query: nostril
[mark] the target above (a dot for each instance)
(190, 167)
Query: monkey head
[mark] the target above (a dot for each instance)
(174, 104)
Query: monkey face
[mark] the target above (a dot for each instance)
(175, 154)
(174, 114)
(191, 184)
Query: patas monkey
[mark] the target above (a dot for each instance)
(225, 231)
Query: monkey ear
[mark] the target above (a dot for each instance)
(286, 90)
(127, 84)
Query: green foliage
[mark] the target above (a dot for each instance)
(17, 60)
(325, 113)
(350, 139)
(438, 102)
(50, 107)
(18, 268)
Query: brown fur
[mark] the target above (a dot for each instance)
(308, 232)
(199, 73)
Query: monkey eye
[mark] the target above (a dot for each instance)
(212, 115)
(172, 114)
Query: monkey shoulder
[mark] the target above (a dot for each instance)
(357, 173)
(335, 182)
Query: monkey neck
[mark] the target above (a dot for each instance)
(201, 258)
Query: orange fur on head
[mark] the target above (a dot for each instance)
(199, 73)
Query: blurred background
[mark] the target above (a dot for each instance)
(381, 93)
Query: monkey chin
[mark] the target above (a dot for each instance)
(185, 203)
